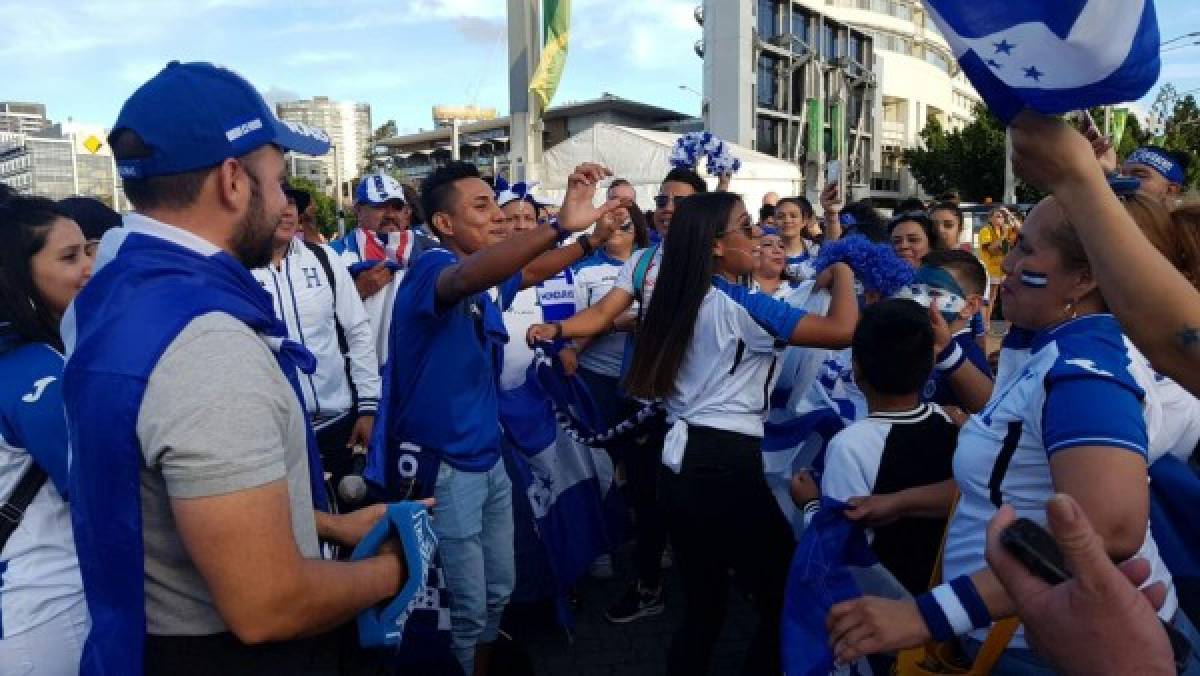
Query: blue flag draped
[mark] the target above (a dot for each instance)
(821, 576)
(574, 511)
(125, 318)
(1053, 57)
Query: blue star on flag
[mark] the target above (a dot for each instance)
(1033, 72)
(1004, 47)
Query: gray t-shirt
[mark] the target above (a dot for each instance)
(218, 417)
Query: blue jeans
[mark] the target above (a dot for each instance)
(1025, 662)
(474, 525)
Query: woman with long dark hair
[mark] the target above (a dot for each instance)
(43, 265)
(798, 229)
(709, 349)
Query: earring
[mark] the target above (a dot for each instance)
(1070, 310)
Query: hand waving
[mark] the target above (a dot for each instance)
(577, 212)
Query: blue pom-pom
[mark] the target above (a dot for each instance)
(875, 265)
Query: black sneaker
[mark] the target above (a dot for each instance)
(636, 604)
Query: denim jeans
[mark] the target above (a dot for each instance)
(474, 524)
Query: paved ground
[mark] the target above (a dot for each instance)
(600, 648)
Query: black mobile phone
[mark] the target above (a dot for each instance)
(1037, 550)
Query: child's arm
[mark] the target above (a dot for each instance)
(932, 501)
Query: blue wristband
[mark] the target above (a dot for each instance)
(935, 620)
(953, 609)
(950, 358)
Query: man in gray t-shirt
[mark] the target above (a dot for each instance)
(233, 579)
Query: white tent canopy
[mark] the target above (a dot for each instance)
(642, 157)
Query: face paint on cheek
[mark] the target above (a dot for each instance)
(1034, 280)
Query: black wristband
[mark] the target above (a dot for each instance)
(586, 246)
(557, 330)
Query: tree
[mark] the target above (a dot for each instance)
(1183, 135)
(326, 207)
(970, 160)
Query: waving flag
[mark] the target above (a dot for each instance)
(556, 24)
(573, 511)
(1053, 56)
(832, 563)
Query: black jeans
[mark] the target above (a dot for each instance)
(336, 458)
(721, 516)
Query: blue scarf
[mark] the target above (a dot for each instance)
(125, 319)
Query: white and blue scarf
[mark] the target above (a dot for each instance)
(125, 319)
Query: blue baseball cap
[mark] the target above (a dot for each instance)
(196, 115)
(377, 190)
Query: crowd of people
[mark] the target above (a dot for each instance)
(194, 391)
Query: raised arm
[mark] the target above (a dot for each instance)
(1130, 271)
(555, 261)
(492, 265)
(831, 205)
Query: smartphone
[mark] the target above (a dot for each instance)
(1037, 550)
(833, 171)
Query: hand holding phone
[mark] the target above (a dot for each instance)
(1037, 550)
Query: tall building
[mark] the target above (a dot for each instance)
(22, 118)
(349, 127)
(815, 80)
(62, 161)
(919, 80)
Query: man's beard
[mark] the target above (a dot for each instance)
(254, 240)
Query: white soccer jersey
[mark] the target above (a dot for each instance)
(595, 276)
(305, 300)
(39, 570)
(731, 365)
(1074, 385)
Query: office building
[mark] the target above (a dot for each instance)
(348, 125)
(22, 118)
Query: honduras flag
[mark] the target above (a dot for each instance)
(1052, 56)
(573, 512)
(832, 563)
(811, 403)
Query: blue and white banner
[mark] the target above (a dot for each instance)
(574, 511)
(814, 398)
(832, 563)
(1052, 56)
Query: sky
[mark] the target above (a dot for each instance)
(83, 58)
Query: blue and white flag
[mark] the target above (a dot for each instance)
(832, 563)
(814, 399)
(1053, 56)
(574, 511)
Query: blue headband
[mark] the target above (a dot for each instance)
(1158, 161)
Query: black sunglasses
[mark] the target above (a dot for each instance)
(661, 201)
(626, 226)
